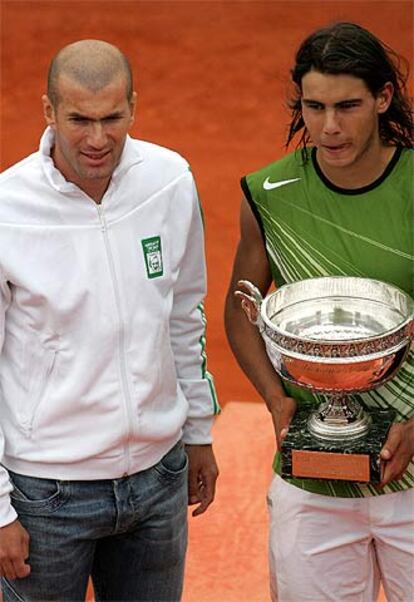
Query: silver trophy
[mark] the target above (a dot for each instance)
(335, 336)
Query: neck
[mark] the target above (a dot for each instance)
(95, 188)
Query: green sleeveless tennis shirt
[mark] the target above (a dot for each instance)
(313, 228)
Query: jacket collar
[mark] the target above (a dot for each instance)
(131, 155)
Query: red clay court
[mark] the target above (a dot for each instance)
(212, 81)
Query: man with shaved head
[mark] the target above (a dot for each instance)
(106, 405)
(92, 63)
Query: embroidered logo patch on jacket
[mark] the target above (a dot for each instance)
(153, 256)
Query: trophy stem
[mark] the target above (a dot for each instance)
(339, 419)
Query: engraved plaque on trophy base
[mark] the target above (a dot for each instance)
(305, 456)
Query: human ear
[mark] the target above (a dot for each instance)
(48, 110)
(384, 97)
(132, 106)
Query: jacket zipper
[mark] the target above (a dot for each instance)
(121, 336)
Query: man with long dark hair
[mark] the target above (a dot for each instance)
(340, 204)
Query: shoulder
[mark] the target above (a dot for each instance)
(20, 181)
(25, 194)
(399, 174)
(290, 167)
(400, 180)
(19, 170)
(162, 173)
(159, 158)
(407, 159)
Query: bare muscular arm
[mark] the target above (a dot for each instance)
(251, 263)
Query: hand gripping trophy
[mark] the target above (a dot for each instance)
(336, 336)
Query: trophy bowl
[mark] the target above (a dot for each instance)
(334, 335)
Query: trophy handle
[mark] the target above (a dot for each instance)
(250, 301)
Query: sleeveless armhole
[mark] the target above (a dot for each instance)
(253, 206)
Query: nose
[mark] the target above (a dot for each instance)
(97, 137)
(331, 122)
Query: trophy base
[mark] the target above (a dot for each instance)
(305, 456)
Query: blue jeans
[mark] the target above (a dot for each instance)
(129, 534)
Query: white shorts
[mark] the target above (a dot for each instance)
(324, 549)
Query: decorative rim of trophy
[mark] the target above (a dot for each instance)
(334, 335)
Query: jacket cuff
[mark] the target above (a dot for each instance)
(7, 513)
(197, 431)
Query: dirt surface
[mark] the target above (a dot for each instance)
(212, 84)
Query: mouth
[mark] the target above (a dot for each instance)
(96, 159)
(335, 148)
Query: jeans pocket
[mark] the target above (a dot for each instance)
(174, 464)
(32, 495)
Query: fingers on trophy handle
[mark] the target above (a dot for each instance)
(410, 330)
(251, 300)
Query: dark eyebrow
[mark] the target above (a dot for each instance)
(349, 101)
(341, 103)
(115, 115)
(310, 101)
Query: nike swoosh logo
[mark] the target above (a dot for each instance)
(267, 185)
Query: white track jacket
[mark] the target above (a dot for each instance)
(102, 363)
